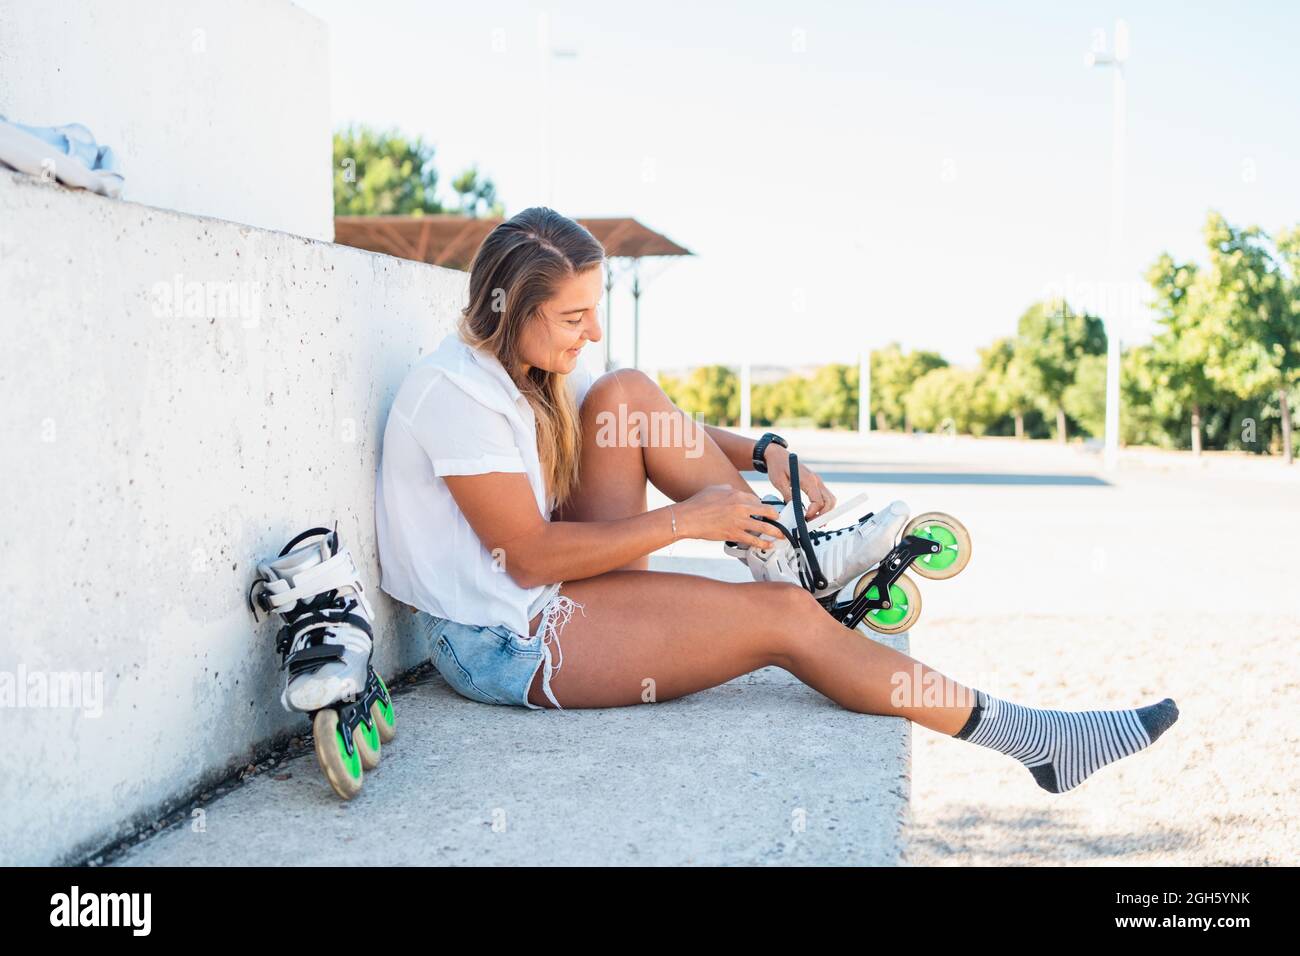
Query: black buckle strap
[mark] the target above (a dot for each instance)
(810, 572)
(805, 539)
(329, 608)
(313, 658)
(333, 536)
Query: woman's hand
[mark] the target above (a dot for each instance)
(724, 513)
(820, 498)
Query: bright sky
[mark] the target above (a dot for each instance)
(846, 177)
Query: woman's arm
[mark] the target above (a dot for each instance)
(501, 509)
(740, 452)
(738, 449)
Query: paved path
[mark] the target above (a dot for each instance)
(760, 770)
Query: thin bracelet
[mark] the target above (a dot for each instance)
(674, 517)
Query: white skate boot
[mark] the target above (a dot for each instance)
(857, 572)
(841, 555)
(325, 646)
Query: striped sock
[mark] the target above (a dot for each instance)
(1062, 748)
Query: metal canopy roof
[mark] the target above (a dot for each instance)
(451, 241)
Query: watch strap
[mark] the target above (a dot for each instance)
(760, 447)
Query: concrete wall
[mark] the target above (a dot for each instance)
(214, 107)
(156, 445)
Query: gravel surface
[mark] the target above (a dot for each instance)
(1172, 577)
(1218, 788)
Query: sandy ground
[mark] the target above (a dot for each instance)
(1087, 590)
(1219, 788)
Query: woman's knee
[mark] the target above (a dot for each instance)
(629, 386)
(785, 612)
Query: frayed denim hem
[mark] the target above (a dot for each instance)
(555, 615)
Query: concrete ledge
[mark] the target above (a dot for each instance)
(184, 395)
(761, 770)
(213, 107)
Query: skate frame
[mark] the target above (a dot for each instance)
(850, 613)
(904, 554)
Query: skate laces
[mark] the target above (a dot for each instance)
(818, 557)
(821, 536)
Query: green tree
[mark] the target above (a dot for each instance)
(1051, 339)
(711, 392)
(1241, 323)
(476, 194)
(1084, 399)
(1152, 412)
(893, 373)
(1262, 289)
(949, 398)
(1284, 336)
(833, 396)
(1192, 334)
(784, 402)
(1006, 383)
(383, 174)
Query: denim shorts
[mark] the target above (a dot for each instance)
(493, 664)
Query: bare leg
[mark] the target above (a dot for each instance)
(673, 453)
(653, 636)
(646, 635)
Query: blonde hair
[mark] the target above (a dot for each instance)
(519, 267)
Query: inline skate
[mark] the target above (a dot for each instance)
(884, 597)
(838, 556)
(325, 647)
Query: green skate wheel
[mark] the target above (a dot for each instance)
(383, 715)
(368, 744)
(904, 609)
(952, 537)
(344, 773)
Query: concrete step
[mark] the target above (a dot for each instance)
(762, 769)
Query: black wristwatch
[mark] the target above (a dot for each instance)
(760, 446)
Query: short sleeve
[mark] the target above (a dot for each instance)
(461, 435)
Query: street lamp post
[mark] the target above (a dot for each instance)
(636, 313)
(1116, 58)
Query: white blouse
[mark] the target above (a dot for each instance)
(457, 412)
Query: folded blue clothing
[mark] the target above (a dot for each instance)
(67, 153)
(74, 140)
